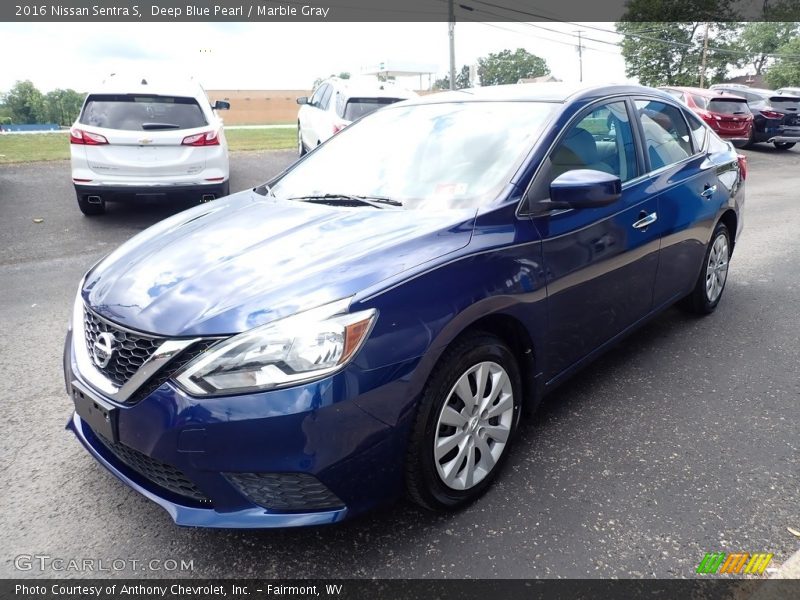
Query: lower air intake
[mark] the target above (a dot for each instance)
(285, 491)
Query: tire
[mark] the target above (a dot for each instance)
(711, 283)
(91, 210)
(482, 442)
(301, 148)
(784, 145)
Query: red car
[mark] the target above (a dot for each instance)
(727, 114)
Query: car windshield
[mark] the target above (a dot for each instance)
(141, 113)
(430, 156)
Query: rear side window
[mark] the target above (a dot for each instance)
(142, 113)
(698, 130)
(359, 107)
(666, 134)
(726, 106)
(699, 101)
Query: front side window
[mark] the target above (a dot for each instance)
(326, 97)
(666, 135)
(602, 140)
(427, 156)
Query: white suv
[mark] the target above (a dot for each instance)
(338, 102)
(148, 140)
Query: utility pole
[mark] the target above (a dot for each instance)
(580, 53)
(703, 61)
(452, 30)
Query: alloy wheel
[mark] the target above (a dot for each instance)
(717, 268)
(474, 426)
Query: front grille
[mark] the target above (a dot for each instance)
(172, 369)
(163, 475)
(285, 491)
(130, 350)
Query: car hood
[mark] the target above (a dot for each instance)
(246, 260)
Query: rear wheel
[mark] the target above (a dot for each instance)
(784, 145)
(466, 420)
(711, 282)
(91, 209)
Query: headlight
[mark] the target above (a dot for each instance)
(296, 349)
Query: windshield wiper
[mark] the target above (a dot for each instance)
(374, 201)
(149, 126)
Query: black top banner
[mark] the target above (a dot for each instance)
(400, 10)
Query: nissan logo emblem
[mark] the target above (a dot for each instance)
(103, 349)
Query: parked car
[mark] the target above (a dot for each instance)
(338, 102)
(145, 139)
(727, 114)
(776, 117)
(789, 91)
(409, 286)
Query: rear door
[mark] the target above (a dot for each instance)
(145, 135)
(689, 192)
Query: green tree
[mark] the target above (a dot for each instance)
(510, 67)
(670, 53)
(785, 71)
(760, 39)
(344, 75)
(25, 103)
(462, 80)
(62, 106)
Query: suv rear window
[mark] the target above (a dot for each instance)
(726, 106)
(791, 104)
(142, 113)
(358, 107)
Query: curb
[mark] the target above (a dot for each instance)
(789, 569)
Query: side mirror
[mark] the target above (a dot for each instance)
(222, 105)
(582, 188)
(302, 100)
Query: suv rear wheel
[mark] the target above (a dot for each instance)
(784, 145)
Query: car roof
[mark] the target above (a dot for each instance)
(149, 85)
(541, 92)
(355, 88)
(718, 93)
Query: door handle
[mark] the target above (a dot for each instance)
(645, 220)
(708, 191)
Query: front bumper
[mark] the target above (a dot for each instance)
(316, 431)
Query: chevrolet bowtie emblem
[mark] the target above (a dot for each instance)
(145, 141)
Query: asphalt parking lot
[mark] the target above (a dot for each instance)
(681, 441)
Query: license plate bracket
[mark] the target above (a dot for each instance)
(98, 414)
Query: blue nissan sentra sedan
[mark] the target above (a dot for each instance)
(372, 321)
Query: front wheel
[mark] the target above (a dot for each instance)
(466, 420)
(711, 283)
(784, 145)
(301, 148)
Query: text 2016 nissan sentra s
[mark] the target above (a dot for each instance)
(371, 322)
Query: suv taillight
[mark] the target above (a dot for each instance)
(772, 114)
(206, 138)
(86, 138)
(338, 126)
(742, 166)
